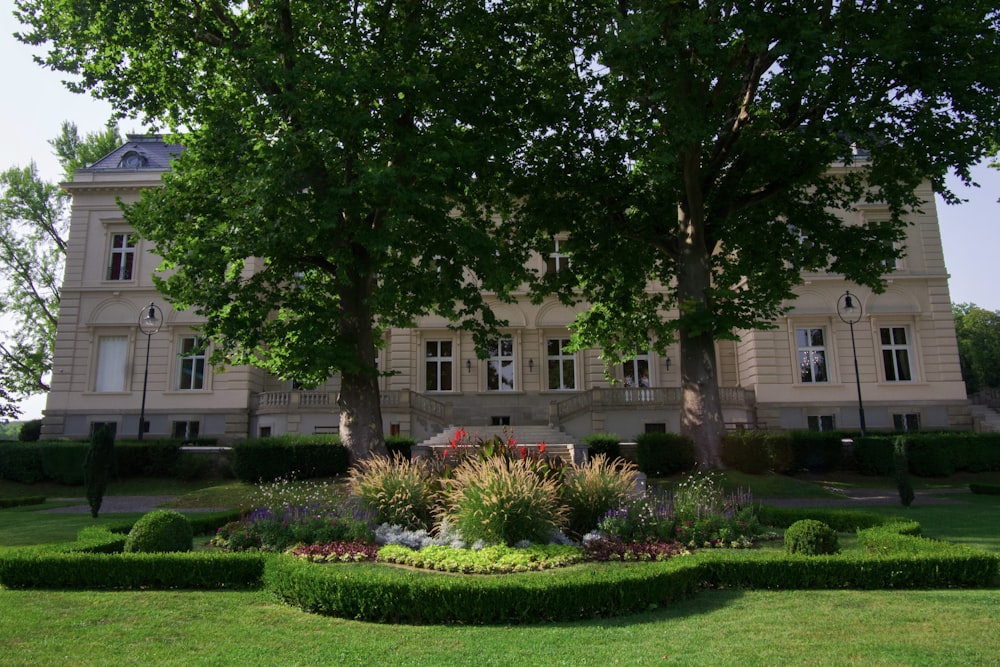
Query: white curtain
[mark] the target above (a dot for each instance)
(111, 352)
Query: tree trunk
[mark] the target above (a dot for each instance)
(701, 405)
(359, 401)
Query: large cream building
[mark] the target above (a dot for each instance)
(798, 375)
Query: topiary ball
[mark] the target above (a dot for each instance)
(160, 530)
(811, 537)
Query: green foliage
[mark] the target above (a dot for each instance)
(20, 462)
(499, 501)
(811, 538)
(495, 559)
(901, 470)
(747, 451)
(838, 519)
(664, 454)
(400, 490)
(34, 226)
(817, 451)
(603, 443)
(160, 530)
(591, 490)
(985, 489)
(400, 444)
(269, 459)
(978, 333)
(147, 458)
(873, 455)
(97, 467)
(20, 502)
(30, 431)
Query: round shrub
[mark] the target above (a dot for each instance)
(160, 530)
(811, 537)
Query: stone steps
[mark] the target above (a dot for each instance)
(985, 420)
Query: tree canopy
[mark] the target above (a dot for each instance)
(340, 171)
(720, 149)
(34, 223)
(978, 333)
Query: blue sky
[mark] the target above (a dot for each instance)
(35, 103)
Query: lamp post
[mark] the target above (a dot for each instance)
(850, 312)
(150, 321)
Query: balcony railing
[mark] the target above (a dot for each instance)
(635, 397)
(326, 401)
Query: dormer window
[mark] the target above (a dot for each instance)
(132, 160)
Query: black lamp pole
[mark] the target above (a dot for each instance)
(150, 321)
(850, 312)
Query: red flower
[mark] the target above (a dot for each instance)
(523, 452)
(541, 447)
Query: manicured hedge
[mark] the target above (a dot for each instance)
(608, 444)
(663, 454)
(301, 457)
(20, 502)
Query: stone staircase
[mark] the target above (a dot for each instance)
(556, 441)
(985, 420)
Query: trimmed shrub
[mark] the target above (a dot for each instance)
(664, 454)
(840, 520)
(902, 471)
(608, 444)
(591, 490)
(97, 467)
(147, 458)
(874, 455)
(160, 530)
(400, 444)
(746, 451)
(817, 451)
(63, 461)
(284, 456)
(20, 462)
(811, 538)
(985, 489)
(931, 455)
(30, 431)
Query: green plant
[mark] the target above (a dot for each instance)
(607, 444)
(747, 451)
(500, 501)
(30, 431)
(873, 455)
(811, 538)
(400, 490)
(591, 490)
(663, 454)
(901, 467)
(160, 530)
(97, 467)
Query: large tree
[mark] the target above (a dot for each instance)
(708, 146)
(34, 223)
(978, 333)
(339, 173)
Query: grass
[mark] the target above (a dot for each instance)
(937, 627)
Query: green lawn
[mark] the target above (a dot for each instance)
(937, 627)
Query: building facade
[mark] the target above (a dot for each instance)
(798, 375)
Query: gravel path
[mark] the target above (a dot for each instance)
(861, 497)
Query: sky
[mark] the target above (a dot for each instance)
(35, 103)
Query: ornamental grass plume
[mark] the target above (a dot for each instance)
(593, 489)
(501, 501)
(402, 491)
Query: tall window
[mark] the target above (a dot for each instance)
(438, 363)
(635, 372)
(821, 422)
(562, 364)
(121, 258)
(111, 355)
(896, 354)
(812, 355)
(192, 364)
(909, 421)
(500, 365)
(557, 260)
(185, 429)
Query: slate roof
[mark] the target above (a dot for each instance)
(140, 152)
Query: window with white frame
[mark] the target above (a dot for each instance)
(121, 256)
(500, 365)
(811, 344)
(112, 352)
(191, 364)
(821, 422)
(561, 364)
(896, 354)
(185, 430)
(635, 372)
(438, 365)
(557, 260)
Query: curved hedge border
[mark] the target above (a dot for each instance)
(897, 558)
(21, 502)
